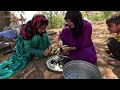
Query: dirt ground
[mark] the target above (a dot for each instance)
(37, 69)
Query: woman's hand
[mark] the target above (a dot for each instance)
(50, 47)
(46, 52)
(60, 43)
(67, 49)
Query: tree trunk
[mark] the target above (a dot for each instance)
(4, 19)
(7, 18)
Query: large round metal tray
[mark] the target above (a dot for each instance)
(78, 69)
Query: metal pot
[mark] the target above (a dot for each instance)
(78, 69)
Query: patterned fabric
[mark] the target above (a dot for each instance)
(30, 29)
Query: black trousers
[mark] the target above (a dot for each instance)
(114, 47)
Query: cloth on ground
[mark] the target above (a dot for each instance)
(8, 33)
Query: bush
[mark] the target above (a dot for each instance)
(83, 14)
(55, 21)
(106, 13)
(97, 17)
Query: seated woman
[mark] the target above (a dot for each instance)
(77, 35)
(32, 41)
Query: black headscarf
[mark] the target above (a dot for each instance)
(76, 18)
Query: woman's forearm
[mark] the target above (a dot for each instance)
(36, 52)
(72, 48)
